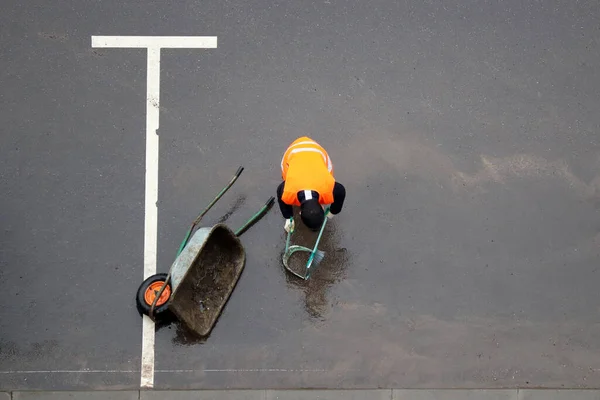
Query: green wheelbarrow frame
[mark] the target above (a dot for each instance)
(215, 248)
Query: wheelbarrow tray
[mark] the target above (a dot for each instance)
(204, 275)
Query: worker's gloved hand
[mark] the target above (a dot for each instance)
(289, 225)
(329, 214)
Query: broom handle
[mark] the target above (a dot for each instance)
(312, 254)
(287, 241)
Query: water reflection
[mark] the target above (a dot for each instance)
(331, 270)
(185, 336)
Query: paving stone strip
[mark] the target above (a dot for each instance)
(378, 394)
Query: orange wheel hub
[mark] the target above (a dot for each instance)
(153, 290)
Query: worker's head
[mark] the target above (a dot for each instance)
(312, 214)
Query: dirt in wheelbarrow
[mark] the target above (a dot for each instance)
(209, 283)
(216, 277)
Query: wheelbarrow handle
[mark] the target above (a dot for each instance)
(197, 220)
(221, 193)
(270, 202)
(256, 216)
(239, 172)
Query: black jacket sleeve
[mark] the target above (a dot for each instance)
(339, 195)
(286, 210)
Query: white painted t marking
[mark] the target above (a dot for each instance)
(153, 44)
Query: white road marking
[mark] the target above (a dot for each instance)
(245, 370)
(67, 371)
(151, 208)
(126, 371)
(171, 42)
(153, 44)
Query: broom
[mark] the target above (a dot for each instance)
(316, 256)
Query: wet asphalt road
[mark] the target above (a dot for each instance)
(466, 134)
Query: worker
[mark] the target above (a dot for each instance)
(308, 183)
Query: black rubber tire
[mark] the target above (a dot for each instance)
(160, 313)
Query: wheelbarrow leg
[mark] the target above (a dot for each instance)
(160, 292)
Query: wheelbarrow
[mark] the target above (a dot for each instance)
(207, 267)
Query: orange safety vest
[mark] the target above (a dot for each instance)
(306, 166)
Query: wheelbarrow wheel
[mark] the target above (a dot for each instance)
(147, 293)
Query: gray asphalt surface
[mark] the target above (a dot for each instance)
(466, 134)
